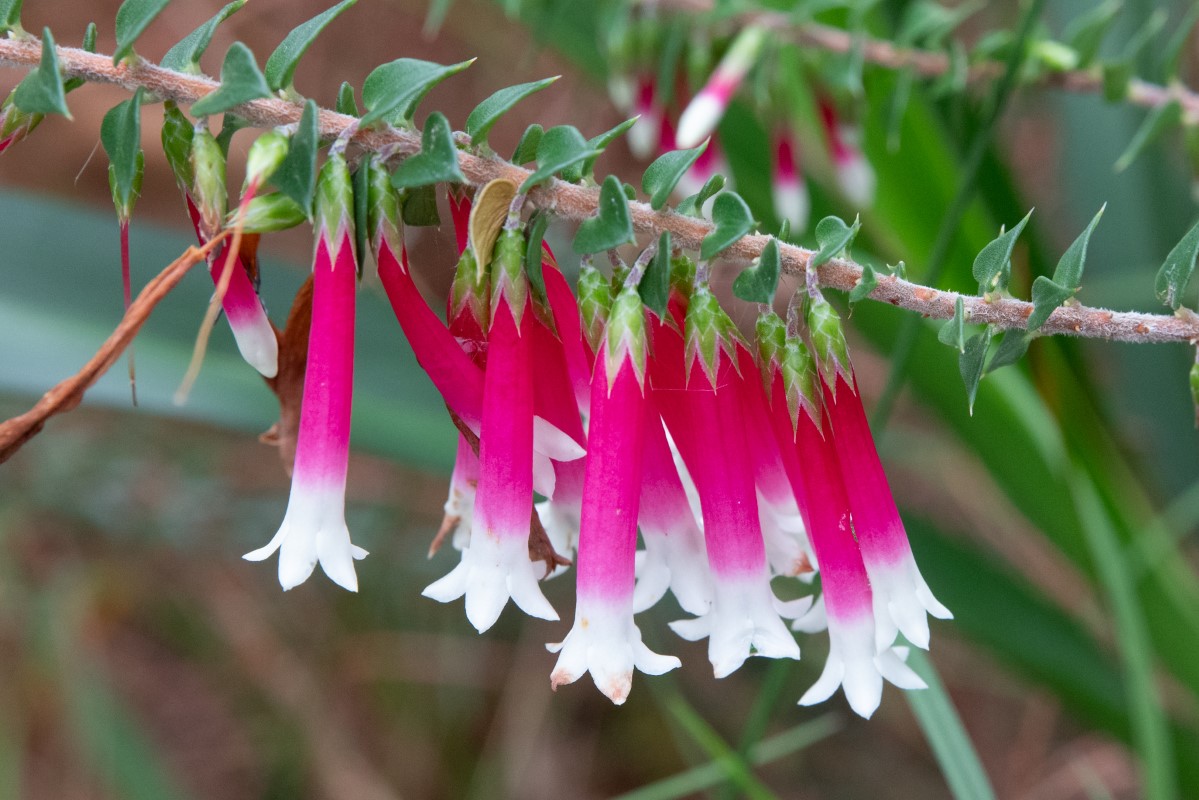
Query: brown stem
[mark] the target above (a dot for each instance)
(579, 202)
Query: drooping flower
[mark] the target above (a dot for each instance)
(15, 124)
(604, 640)
(902, 599)
(788, 187)
(644, 136)
(314, 528)
(705, 110)
(854, 174)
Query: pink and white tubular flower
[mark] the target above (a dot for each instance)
(644, 136)
(705, 421)
(252, 330)
(314, 527)
(789, 189)
(854, 174)
(604, 639)
(495, 565)
(902, 599)
(705, 110)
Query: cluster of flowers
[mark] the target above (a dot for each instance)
(736, 463)
(654, 133)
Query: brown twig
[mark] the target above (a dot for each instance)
(579, 202)
(68, 394)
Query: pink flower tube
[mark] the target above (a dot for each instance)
(855, 176)
(705, 110)
(314, 528)
(604, 639)
(788, 188)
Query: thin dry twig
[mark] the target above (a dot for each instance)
(575, 202)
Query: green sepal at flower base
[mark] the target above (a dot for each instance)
(801, 381)
(595, 303)
(266, 154)
(334, 208)
(828, 342)
(625, 332)
(385, 223)
(177, 133)
(270, 213)
(508, 282)
(770, 332)
(707, 330)
(208, 181)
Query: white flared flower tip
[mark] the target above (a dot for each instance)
(743, 622)
(562, 528)
(492, 572)
(787, 548)
(902, 602)
(607, 644)
(814, 620)
(645, 134)
(621, 91)
(793, 204)
(550, 444)
(699, 119)
(677, 562)
(313, 532)
(856, 178)
(257, 344)
(854, 666)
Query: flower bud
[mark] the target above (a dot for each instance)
(207, 164)
(265, 156)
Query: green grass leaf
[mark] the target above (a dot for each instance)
(133, 17)
(1175, 272)
(666, 171)
(970, 363)
(993, 264)
(1085, 33)
(731, 764)
(185, 56)
(758, 283)
(437, 161)
(733, 220)
(1048, 294)
(487, 113)
(1158, 121)
(41, 91)
(392, 92)
(612, 226)
(241, 82)
(281, 65)
(296, 176)
(1012, 348)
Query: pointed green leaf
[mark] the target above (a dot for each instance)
(668, 169)
(953, 333)
(1011, 349)
(391, 92)
(655, 283)
(420, 207)
(1067, 277)
(120, 133)
(1145, 34)
(560, 147)
(866, 284)
(296, 176)
(694, 204)
(185, 56)
(360, 183)
(241, 82)
(1085, 33)
(599, 144)
(437, 161)
(970, 363)
(1178, 41)
(612, 226)
(833, 236)
(281, 66)
(993, 264)
(1175, 273)
(89, 46)
(1157, 122)
(41, 91)
(10, 15)
(758, 283)
(346, 104)
(133, 17)
(534, 253)
(526, 148)
(487, 113)
(733, 220)
(177, 132)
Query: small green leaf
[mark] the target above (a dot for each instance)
(281, 66)
(953, 333)
(241, 82)
(1086, 32)
(487, 113)
(833, 236)
(694, 205)
(758, 283)
(1157, 122)
(346, 104)
(1011, 349)
(391, 92)
(599, 144)
(668, 169)
(120, 133)
(655, 283)
(560, 147)
(185, 56)
(534, 254)
(41, 91)
(296, 176)
(177, 132)
(993, 264)
(1175, 273)
(866, 284)
(10, 15)
(733, 220)
(612, 227)
(89, 38)
(526, 148)
(360, 181)
(1067, 277)
(1145, 34)
(970, 363)
(437, 161)
(420, 207)
(133, 17)
(1116, 76)
(230, 124)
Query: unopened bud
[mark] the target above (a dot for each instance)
(265, 156)
(208, 181)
